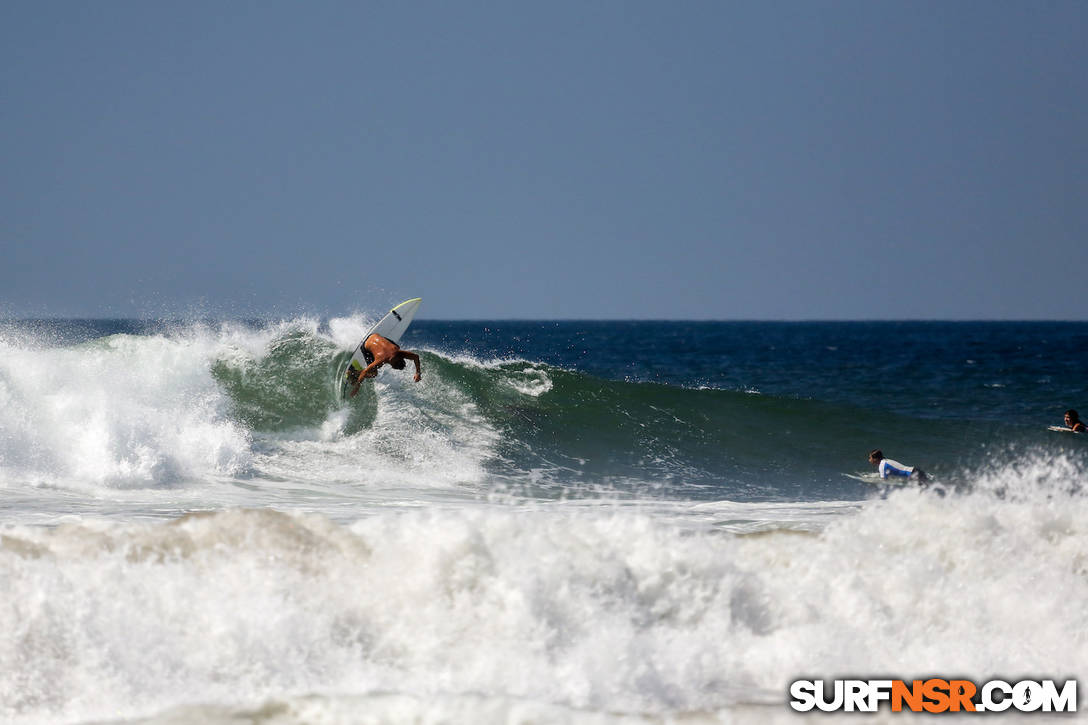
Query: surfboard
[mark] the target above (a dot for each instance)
(1060, 429)
(392, 327)
(875, 479)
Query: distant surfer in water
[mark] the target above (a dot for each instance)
(888, 467)
(1073, 422)
(378, 351)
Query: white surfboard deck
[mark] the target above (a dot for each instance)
(392, 327)
(1060, 429)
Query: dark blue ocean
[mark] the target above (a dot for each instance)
(783, 409)
(564, 521)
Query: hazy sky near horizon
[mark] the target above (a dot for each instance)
(724, 160)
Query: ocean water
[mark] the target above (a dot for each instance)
(583, 522)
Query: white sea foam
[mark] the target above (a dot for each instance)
(524, 376)
(426, 435)
(118, 412)
(397, 709)
(347, 332)
(585, 609)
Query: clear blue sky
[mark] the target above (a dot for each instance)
(728, 160)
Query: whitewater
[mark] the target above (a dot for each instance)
(555, 525)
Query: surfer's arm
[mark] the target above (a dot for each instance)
(368, 372)
(415, 359)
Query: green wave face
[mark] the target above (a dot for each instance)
(561, 427)
(295, 384)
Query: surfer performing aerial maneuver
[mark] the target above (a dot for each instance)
(378, 351)
(380, 346)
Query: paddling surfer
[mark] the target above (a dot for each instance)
(378, 351)
(1073, 422)
(888, 467)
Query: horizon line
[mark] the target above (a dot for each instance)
(268, 319)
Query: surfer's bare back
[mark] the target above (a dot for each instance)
(378, 351)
